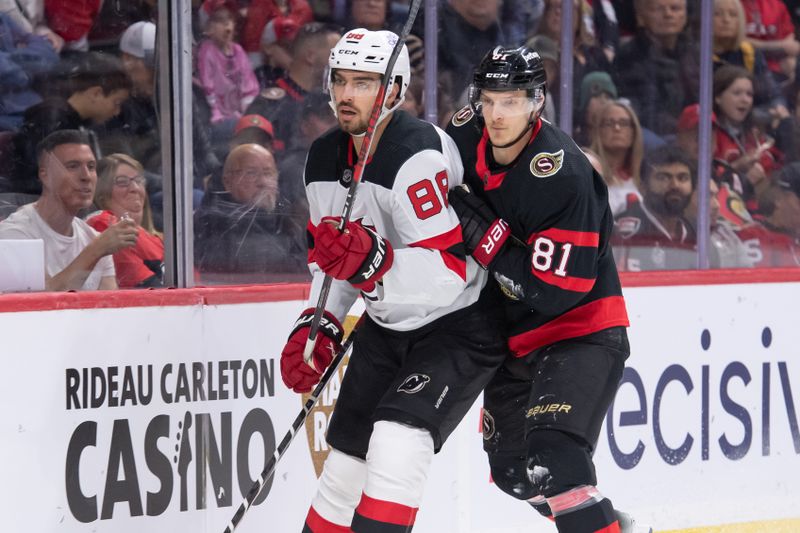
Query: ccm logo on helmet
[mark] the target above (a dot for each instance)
(497, 75)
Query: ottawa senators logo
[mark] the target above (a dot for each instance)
(545, 164)
(462, 116)
(413, 383)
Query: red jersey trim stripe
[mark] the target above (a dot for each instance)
(612, 528)
(578, 238)
(565, 282)
(589, 318)
(317, 524)
(444, 242)
(386, 512)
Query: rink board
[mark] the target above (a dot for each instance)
(703, 433)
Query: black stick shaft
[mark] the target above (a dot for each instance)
(269, 468)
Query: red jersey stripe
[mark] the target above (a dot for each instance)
(317, 524)
(444, 242)
(386, 512)
(612, 528)
(578, 238)
(589, 318)
(457, 265)
(569, 283)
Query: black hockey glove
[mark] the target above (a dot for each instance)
(484, 232)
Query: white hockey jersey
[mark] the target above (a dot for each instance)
(403, 195)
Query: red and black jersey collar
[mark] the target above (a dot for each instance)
(494, 180)
(352, 153)
(295, 91)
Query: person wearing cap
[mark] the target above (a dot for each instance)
(281, 102)
(136, 131)
(268, 23)
(774, 238)
(255, 129)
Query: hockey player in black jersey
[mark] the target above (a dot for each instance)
(426, 348)
(536, 216)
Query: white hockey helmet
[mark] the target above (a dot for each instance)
(369, 51)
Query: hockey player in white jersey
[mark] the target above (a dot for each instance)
(426, 348)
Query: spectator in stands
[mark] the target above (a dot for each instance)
(114, 18)
(224, 70)
(770, 29)
(29, 16)
(618, 143)
(596, 90)
(374, 15)
(727, 182)
(520, 19)
(658, 70)
(281, 103)
(23, 55)
(587, 55)
(741, 141)
(255, 129)
(267, 21)
(121, 194)
(774, 240)
(72, 20)
(726, 249)
(97, 88)
(654, 234)
(547, 49)
(76, 256)
(241, 227)
(136, 130)
(316, 117)
(731, 47)
(467, 30)
(414, 102)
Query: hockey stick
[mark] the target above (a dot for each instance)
(363, 153)
(269, 468)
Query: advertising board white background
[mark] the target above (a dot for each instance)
(713, 368)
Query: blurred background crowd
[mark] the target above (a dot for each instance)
(86, 73)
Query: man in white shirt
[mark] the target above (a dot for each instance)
(76, 256)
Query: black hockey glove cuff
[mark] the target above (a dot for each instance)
(483, 231)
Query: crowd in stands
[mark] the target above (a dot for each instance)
(80, 134)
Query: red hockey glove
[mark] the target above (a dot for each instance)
(296, 374)
(358, 254)
(483, 231)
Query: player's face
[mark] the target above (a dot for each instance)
(128, 193)
(506, 114)
(69, 173)
(736, 101)
(354, 94)
(669, 188)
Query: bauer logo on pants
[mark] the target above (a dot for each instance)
(413, 383)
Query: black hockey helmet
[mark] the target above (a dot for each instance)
(510, 69)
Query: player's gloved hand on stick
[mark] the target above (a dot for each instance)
(296, 374)
(484, 232)
(357, 254)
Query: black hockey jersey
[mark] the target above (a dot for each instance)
(563, 283)
(403, 195)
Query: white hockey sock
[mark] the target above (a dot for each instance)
(340, 487)
(398, 460)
